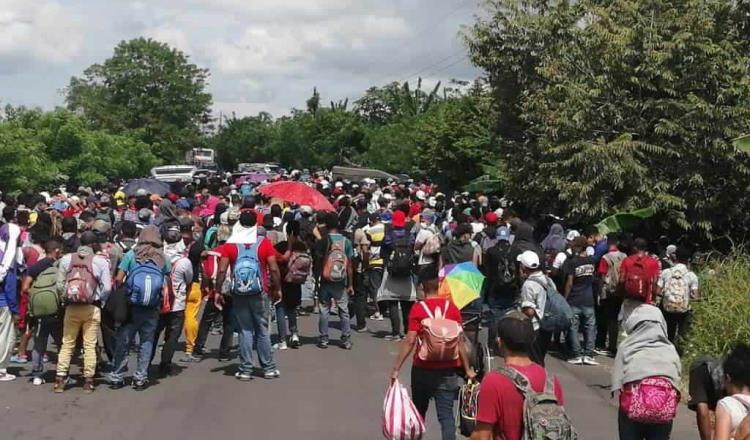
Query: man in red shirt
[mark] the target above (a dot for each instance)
(438, 380)
(250, 309)
(651, 266)
(500, 409)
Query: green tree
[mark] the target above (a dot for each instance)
(147, 89)
(244, 140)
(607, 106)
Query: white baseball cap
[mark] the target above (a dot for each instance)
(529, 260)
(420, 195)
(572, 235)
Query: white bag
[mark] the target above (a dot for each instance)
(401, 420)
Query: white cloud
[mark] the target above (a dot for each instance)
(176, 38)
(43, 30)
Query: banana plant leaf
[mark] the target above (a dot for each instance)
(623, 221)
(483, 184)
(743, 143)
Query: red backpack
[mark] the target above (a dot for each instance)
(637, 281)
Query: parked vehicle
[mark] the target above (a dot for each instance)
(173, 173)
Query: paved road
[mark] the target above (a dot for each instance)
(322, 394)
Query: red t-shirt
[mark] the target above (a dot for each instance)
(418, 313)
(265, 251)
(501, 404)
(652, 271)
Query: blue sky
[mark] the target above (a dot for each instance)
(263, 55)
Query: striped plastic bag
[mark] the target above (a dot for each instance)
(401, 420)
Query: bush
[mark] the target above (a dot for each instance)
(722, 317)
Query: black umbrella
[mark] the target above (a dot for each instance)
(151, 186)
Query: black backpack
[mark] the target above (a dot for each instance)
(506, 270)
(401, 261)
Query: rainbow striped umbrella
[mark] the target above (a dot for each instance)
(462, 282)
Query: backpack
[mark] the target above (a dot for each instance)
(637, 282)
(336, 263)
(402, 258)
(432, 245)
(506, 270)
(298, 268)
(80, 282)
(612, 278)
(652, 400)
(468, 404)
(145, 283)
(487, 242)
(676, 293)
(246, 190)
(557, 312)
(104, 216)
(543, 416)
(440, 336)
(247, 276)
(43, 297)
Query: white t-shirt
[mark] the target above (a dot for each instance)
(422, 237)
(560, 260)
(736, 410)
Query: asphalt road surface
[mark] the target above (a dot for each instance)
(321, 395)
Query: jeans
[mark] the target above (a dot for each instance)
(678, 327)
(358, 302)
(171, 324)
(250, 314)
(143, 321)
(45, 327)
(630, 430)
(441, 385)
(395, 318)
(79, 318)
(211, 314)
(327, 294)
(496, 313)
(291, 298)
(583, 319)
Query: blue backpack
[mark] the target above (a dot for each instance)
(557, 311)
(246, 190)
(246, 273)
(145, 283)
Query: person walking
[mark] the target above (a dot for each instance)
(10, 234)
(397, 289)
(579, 276)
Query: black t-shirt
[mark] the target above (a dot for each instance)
(582, 269)
(703, 386)
(39, 267)
(494, 257)
(194, 255)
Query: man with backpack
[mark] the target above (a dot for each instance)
(335, 253)
(521, 401)
(434, 328)
(256, 281)
(45, 308)
(639, 274)
(143, 270)
(502, 280)
(84, 282)
(427, 244)
(609, 299)
(10, 234)
(534, 301)
(677, 286)
(398, 287)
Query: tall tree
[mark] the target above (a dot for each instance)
(148, 89)
(604, 106)
(244, 140)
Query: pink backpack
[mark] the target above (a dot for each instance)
(439, 337)
(652, 400)
(299, 267)
(80, 282)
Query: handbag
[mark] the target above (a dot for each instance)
(652, 400)
(401, 420)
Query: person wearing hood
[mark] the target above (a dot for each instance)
(646, 358)
(554, 243)
(143, 319)
(167, 216)
(524, 241)
(82, 317)
(181, 279)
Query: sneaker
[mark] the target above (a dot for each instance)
(275, 374)
(576, 361)
(602, 351)
(280, 346)
(189, 357)
(390, 337)
(38, 381)
(116, 385)
(588, 360)
(19, 359)
(294, 341)
(140, 385)
(223, 357)
(377, 317)
(7, 377)
(362, 329)
(88, 386)
(60, 383)
(244, 377)
(323, 344)
(346, 345)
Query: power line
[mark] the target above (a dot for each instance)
(461, 55)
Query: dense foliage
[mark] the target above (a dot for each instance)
(616, 105)
(149, 91)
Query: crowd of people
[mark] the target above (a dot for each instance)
(98, 270)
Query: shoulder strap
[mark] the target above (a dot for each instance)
(447, 305)
(549, 384)
(535, 280)
(743, 402)
(518, 379)
(427, 309)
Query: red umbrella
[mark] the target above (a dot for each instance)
(297, 192)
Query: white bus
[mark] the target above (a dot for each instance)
(201, 157)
